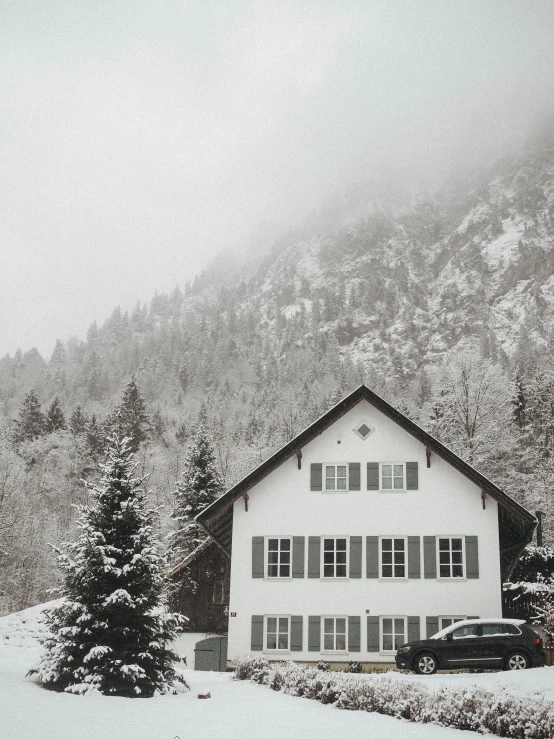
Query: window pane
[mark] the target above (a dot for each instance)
(328, 570)
(328, 557)
(272, 570)
(387, 642)
(341, 642)
(444, 571)
(341, 471)
(399, 640)
(284, 570)
(398, 470)
(457, 571)
(341, 544)
(387, 558)
(272, 624)
(386, 544)
(273, 557)
(285, 545)
(399, 545)
(387, 570)
(341, 625)
(328, 625)
(399, 571)
(456, 544)
(341, 558)
(398, 483)
(272, 641)
(399, 625)
(457, 558)
(387, 625)
(328, 544)
(444, 557)
(444, 544)
(328, 642)
(330, 483)
(341, 570)
(341, 483)
(272, 544)
(283, 641)
(285, 557)
(387, 483)
(446, 622)
(399, 558)
(329, 471)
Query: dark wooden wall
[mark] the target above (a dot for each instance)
(204, 605)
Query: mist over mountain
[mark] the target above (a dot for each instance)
(405, 293)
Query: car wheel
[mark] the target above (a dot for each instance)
(425, 664)
(517, 661)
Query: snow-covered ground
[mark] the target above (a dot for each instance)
(235, 710)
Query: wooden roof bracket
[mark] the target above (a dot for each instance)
(428, 455)
(484, 497)
(246, 499)
(299, 457)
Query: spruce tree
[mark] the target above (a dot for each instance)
(201, 485)
(78, 421)
(55, 419)
(31, 422)
(130, 418)
(110, 632)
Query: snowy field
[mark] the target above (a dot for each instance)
(236, 709)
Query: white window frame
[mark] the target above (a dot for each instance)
(266, 551)
(334, 578)
(392, 490)
(454, 619)
(335, 465)
(334, 651)
(277, 616)
(393, 577)
(450, 577)
(382, 650)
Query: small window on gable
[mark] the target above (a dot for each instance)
(363, 430)
(336, 477)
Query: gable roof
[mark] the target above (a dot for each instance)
(217, 518)
(191, 556)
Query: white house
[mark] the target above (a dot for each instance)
(361, 533)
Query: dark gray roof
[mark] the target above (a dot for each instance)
(217, 518)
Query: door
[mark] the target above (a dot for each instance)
(462, 648)
(210, 655)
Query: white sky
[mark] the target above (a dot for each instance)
(139, 138)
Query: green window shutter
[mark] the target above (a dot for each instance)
(354, 476)
(258, 569)
(430, 556)
(355, 556)
(372, 556)
(431, 625)
(316, 476)
(472, 557)
(373, 475)
(314, 547)
(414, 633)
(411, 476)
(414, 556)
(257, 634)
(353, 633)
(373, 634)
(314, 633)
(296, 633)
(298, 556)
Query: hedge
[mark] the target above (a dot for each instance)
(470, 708)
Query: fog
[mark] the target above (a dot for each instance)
(140, 138)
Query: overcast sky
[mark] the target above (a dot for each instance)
(139, 138)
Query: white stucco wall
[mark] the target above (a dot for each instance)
(446, 504)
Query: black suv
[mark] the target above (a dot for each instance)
(507, 644)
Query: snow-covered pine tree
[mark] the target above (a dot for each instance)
(31, 422)
(55, 419)
(130, 418)
(200, 486)
(110, 632)
(78, 421)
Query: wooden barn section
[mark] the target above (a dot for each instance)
(201, 593)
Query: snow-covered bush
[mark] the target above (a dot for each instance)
(110, 632)
(470, 708)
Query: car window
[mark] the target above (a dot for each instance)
(499, 629)
(465, 631)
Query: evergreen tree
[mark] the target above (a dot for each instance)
(110, 632)
(31, 422)
(200, 486)
(55, 419)
(96, 439)
(78, 421)
(130, 418)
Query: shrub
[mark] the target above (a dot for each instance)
(471, 708)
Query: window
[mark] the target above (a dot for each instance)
(393, 558)
(466, 632)
(445, 621)
(393, 633)
(221, 592)
(336, 477)
(363, 430)
(499, 629)
(278, 557)
(334, 633)
(277, 633)
(335, 556)
(392, 477)
(451, 557)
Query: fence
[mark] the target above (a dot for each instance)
(519, 604)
